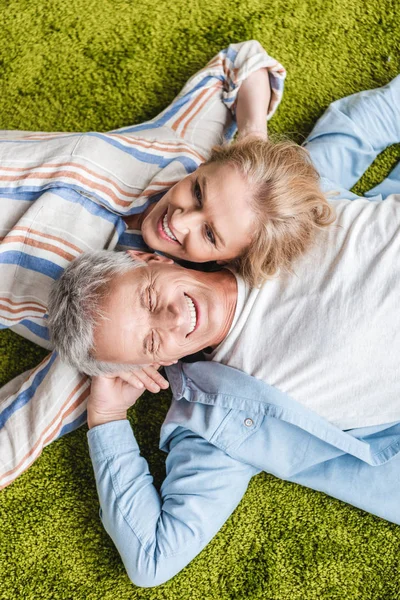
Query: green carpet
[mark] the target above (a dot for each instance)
(86, 64)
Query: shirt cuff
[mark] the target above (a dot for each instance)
(110, 439)
(243, 60)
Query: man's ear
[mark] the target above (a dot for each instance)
(149, 257)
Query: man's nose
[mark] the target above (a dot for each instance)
(184, 221)
(171, 317)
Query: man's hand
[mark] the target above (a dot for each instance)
(111, 396)
(146, 378)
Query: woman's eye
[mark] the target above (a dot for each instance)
(210, 236)
(197, 193)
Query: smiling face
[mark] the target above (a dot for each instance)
(161, 312)
(205, 217)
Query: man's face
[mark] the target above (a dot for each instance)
(161, 312)
(205, 217)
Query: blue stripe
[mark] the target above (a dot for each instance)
(231, 54)
(59, 188)
(26, 261)
(78, 422)
(147, 157)
(133, 240)
(23, 398)
(12, 194)
(71, 195)
(37, 329)
(176, 106)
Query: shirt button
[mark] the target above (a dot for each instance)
(248, 422)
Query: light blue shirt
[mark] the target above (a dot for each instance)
(224, 427)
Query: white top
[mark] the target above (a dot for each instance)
(329, 334)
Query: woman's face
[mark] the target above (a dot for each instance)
(205, 217)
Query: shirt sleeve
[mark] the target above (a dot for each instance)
(202, 112)
(353, 131)
(157, 535)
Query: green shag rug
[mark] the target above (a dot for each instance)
(100, 64)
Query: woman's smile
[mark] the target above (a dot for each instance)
(164, 229)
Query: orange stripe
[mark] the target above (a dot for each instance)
(11, 239)
(213, 63)
(188, 110)
(66, 414)
(39, 175)
(198, 110)
(31, 302)
(159, 146)
(42, 439)
(77, 177)
(17, 310)
(50, 237)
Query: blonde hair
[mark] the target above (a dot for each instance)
(287, 200)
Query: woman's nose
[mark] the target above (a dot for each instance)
(183, 221)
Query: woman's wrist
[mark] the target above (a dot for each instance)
(251, 130)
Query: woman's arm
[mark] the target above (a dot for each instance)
(204, 108)
(252, 105)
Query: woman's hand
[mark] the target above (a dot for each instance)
(252, 105)
(112, 395)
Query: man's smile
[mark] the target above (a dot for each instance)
(193, 314)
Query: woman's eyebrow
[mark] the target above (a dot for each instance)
(203, 187)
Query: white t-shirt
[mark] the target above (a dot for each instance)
(329, 334)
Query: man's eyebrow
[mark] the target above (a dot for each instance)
(142, 295)
(204, 196)
(143, 304)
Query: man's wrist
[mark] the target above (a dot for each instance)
(95, 418)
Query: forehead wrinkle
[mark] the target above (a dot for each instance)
(132, 297)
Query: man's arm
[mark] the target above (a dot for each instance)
(353, 131)
(157, 535)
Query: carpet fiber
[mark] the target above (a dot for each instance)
(102, 64)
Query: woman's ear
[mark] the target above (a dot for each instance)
(149, 257)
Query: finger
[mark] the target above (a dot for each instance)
(131, 378)
(156, 377)
(149, 383)
(146, 381)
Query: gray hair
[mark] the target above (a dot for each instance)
(74, 308)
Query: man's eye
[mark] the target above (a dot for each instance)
(197, 193)
(150, 301)
(210, 236)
